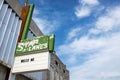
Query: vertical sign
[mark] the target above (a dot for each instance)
(27, 24)
(24, 15)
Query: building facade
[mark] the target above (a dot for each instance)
(10, 23)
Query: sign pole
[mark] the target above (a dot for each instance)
(27, 24)
(24, 15)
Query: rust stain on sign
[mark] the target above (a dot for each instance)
(24, 14)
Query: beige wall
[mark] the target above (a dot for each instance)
(58, 68)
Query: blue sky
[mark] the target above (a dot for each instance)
(87, 35)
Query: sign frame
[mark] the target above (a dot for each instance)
(37, 44)
(32, 63)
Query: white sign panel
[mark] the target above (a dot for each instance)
(32, 62)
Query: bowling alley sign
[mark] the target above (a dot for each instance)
(38, 44)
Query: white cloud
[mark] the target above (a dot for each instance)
(104, 65)
(100, 66)
(73, 33)
(82, 12)
(71, 59)
(90, 2)
(110, 21)
(85, 8)
(46, 26)
(83, 44)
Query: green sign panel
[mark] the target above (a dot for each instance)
(40, 43)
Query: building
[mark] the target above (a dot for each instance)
(10, 23)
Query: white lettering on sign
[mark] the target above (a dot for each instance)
(31, 46)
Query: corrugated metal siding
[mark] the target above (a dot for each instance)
(9, 30)
(1, 2)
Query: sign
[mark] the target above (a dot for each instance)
(41, 43)
(27, 22)
(24, 15)
(32, 62)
